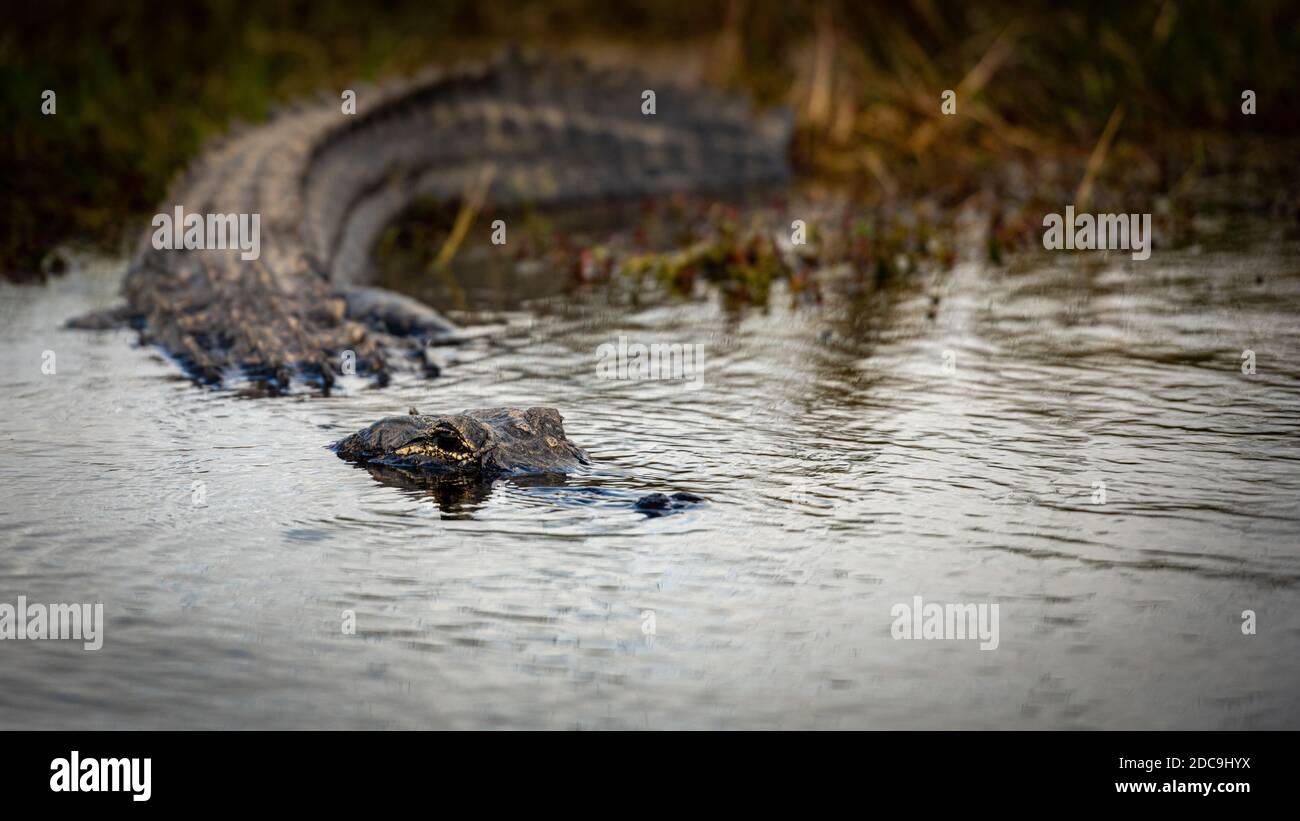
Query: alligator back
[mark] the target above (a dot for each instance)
(325, 184)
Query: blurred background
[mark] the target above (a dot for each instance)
(141, 85)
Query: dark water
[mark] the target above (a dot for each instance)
(847, 469)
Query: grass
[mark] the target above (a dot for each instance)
(141, 86)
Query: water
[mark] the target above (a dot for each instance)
(847, 471)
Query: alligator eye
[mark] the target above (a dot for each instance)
(451, 443)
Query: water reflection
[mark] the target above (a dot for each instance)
(944, 440)
(456, 494)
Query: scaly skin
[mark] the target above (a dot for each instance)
(456, 457)
(326, 184)
(487, 442)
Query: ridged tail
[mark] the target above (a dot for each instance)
(326, 183)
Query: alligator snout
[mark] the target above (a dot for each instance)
(657, 504)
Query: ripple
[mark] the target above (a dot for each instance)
(853, 456)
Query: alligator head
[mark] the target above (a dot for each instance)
(486, 441)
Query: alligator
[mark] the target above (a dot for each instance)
(456, 457)
(490, 442)
(540, 131)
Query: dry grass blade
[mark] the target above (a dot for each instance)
(1098, 158)
(470, 206)
(970, 85)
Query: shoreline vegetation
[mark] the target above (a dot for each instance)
(1105, 109)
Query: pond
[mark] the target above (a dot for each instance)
(1075, 439)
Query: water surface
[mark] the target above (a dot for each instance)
(942, 441)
